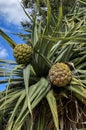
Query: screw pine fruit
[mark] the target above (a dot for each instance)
(60, 74)
(23, 53)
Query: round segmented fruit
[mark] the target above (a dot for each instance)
(60, 74)
(23, 53)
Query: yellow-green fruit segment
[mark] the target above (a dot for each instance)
(60, 74)
(23, 53)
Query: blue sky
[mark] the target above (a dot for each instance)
(11, 14)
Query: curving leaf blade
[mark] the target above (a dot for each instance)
(7, 38)
(26, 74)
(53, 106)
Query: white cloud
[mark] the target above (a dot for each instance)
(3, 52)
(12, 11)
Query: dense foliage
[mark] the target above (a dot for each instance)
(30, 101)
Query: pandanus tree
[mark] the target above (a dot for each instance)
(46, 85)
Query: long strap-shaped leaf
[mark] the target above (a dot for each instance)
(7, 38)
(59, 18)
(11, 120)
(47, 2)
(34, 32)
(26, 73)
(36, 94)
(53, 106)
(27, 14)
